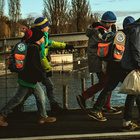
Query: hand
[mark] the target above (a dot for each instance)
(69, 47)
(113, 28)
(138, 71)
(49, 74)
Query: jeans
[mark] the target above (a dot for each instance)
(129, 104)
(49, 88)
(106, 92)
(18, 98)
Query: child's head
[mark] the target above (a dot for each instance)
(108, 18)
(128, 20)
(42, 24)
(35, 35)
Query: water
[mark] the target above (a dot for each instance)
(71, 78)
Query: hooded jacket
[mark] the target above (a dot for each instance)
(131, 57)
(45, 48)
(33, 69)
(94, 32)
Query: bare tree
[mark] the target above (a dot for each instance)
(14, 10)
(2, 4)
(56, 11)
(96, 16)
(80, 14)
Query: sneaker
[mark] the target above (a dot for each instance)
(81, 102)
(111, 111)
(2, 122)
(97, 116)
(47, 120)
(131, 127)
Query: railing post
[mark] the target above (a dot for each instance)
(65, 91)
(83, 84)
(5, 48)
(92, 82)
(92, 79)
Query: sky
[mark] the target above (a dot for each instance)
(121, 8)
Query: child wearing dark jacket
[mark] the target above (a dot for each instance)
(28, 80)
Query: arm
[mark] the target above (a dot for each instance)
(135, 46)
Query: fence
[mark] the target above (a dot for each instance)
(8, 80)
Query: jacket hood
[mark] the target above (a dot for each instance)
(130, 26)
(92, 28)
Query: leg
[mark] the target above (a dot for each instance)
(129, 103)
(17, 99)
(40, 100)
(128, 125)
(138, 104)
(97, 87)
(96, 112)
(50, 93)
(107, 104)
(20, 108)
(106, 92)
(93, 90)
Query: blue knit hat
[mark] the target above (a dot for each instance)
(108, 17)
(128, 20)
(41, 22)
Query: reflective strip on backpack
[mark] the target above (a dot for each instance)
(118, 51)
(19, 60)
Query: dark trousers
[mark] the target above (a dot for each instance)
(112, 82)
(129, 104)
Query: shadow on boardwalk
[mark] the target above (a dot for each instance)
(71, 124)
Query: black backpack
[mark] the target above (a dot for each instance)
(16, 61)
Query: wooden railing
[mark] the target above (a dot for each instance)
(71, 37)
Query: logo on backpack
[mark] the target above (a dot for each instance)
(16, 61)
(112, 49)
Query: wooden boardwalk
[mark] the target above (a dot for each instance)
(71, 124)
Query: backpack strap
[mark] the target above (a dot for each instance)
(102, 28)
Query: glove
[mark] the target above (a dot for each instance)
(69, 47)
(113, 28)
(49, 74)
(108, 36)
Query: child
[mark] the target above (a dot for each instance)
(43, 25)
(28, 79)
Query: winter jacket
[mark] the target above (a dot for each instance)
(131, 57)
(33, 69)
(95, 36)
(46, 46)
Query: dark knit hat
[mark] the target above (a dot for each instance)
(108, 17)
(128, 20)
(41, 22)
(34, 34)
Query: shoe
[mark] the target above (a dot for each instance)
(131, 127)
(111, 111)
(47, 120)
(2, 122)
(81, 102)
(97, 116)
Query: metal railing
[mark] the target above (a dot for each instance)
(8, 80)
